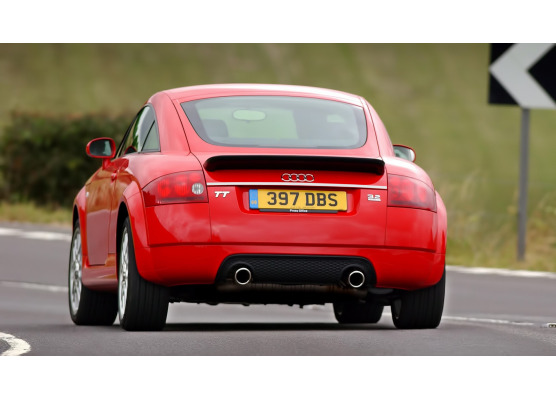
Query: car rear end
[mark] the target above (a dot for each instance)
(297, 205)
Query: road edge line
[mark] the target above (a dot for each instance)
(35, 286)
(500, 271)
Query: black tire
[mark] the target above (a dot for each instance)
(142, 305)
(420, 309)
(86, 306)
(357, 312)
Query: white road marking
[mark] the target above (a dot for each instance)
(17, 346)
(500, 271)
(489, 321)
(8, 232)
(481, 320)
(39, 235)
(34, 286)
(46, 236)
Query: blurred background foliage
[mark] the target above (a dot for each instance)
(432, 97)
(42, 155)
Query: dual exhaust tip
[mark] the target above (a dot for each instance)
(355, 279)
(242, 276)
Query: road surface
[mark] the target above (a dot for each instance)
(486, 313)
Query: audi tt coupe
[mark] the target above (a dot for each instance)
(256, 194)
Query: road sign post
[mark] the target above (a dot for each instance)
(523, 184)
(523, 74)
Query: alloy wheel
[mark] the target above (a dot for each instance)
(75, 272)
(124, 274)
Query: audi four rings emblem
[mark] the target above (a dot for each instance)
(298, 177)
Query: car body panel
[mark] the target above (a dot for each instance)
(399, 268)
(98, 202)
(169, 122)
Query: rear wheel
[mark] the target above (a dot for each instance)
(357, 313)
(86, 306)
(420, 309)
(142, 305)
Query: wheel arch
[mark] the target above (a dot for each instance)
(133, 207)
(78, 214)
(122, 215)
(442, 225)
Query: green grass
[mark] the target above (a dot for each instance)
(28, 212)
(432, 97)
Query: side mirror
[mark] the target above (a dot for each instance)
(104, 148)
(405, 152)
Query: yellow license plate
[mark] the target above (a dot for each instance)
(297, 200)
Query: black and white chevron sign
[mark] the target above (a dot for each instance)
(523, 74)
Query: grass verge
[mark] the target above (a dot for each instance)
(489, 239)
(31, 213)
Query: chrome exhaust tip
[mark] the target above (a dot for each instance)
(356, 279)
(242, 276)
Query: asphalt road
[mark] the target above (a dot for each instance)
(485, 314)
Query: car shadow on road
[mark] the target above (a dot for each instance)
(265, 326)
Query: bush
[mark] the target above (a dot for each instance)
(43, 156)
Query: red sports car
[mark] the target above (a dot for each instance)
(256, 194)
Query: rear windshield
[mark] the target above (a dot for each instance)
(277, 121)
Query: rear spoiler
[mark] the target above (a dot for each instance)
(322, 163)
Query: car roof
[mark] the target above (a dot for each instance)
(234, 89)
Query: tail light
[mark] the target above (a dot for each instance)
(183, 187)
(411, 193)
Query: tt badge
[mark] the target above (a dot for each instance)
(218, 193)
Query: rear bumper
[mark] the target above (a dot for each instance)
(394, 268)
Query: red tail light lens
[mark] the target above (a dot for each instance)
(411, 193)
(183, 187)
